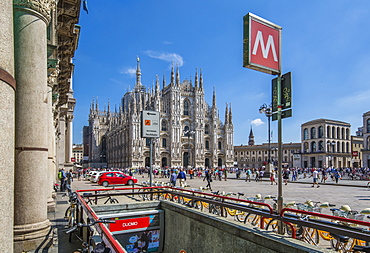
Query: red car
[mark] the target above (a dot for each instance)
(113, 177)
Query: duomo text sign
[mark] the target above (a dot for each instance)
(261, 45)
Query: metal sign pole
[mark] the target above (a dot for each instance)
(280, 153)
(151, 162)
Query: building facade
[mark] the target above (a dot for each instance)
(38, 41)
(326, 143)
(191, 132)
(366, 139)
(257, 156)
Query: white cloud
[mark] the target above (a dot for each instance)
(257, 122)
(129, 71)
(167, 42)
(168, 57)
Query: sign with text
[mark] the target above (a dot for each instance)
(261, 45)
(285, 92)
(150, 124)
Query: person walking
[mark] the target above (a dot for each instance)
(248, 174)
(173, 178)
(286, 176)
(337, 176)
(315, 176)
(62, 178)
(69, 181)
(208, 177)
(182, 177)
(273, 177)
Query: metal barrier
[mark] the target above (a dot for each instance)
(227, 202)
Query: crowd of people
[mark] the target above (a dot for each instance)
(178, 176)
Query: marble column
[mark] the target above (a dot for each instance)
(31, 133)
(7, 122)
(52, 168)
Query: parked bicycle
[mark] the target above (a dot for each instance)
(89, 244)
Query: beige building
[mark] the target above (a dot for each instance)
(366, 139)
(77, 153)
(326, 143)
(256, 156)
(357, 144)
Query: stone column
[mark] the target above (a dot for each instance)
(31, 139)
(7, 110)
(52, 169)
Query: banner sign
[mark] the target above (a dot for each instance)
(261, 45)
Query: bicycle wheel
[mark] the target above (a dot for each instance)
(273, 225)
(341, 245)
(310, 235)
(198, 205)
(252, 219)
(67, 212)
(240, 216)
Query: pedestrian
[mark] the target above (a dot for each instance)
(69, 180)
(191, 172)
(286, 176)
(324, 176)
(294, 174)
(62, 177)
(315, 176)
(173, 178)
(182, 177)
(208, 177)
(337, 176)
(248, 174)
(272, 177)
(225, 172)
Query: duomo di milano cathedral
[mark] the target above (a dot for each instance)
(191, 132)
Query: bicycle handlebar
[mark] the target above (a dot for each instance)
(80, 225)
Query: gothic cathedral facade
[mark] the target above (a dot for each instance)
(191, 133)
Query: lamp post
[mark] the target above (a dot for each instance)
(188, 132)
(268, 112)
(330, 144)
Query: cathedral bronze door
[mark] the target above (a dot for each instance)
(206, 163)
(185, 159)
(164, 162)
(219, 163)
(147, 162)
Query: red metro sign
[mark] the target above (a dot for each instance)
(261, 45)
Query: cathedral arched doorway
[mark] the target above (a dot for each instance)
(219, 162)
(147, 162)
(185, 159)
(164, 162)
(206, 163)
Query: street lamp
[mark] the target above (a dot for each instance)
(268, 112)
(332, 144)
(188, 132)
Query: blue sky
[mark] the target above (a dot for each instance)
(325, 44)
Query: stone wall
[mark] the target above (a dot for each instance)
(193, 231)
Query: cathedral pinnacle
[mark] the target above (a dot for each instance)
(138, 72)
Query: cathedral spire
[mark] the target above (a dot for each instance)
(214, 98)
(138, 73)
(230, 115)
(172, 75)
(251, 137)
(177, 75)
(226, 114)
(157, 85)
(164, 80)
(196, 78)
(96, 104)
(201, 79)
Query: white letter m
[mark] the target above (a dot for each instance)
(265, 50)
